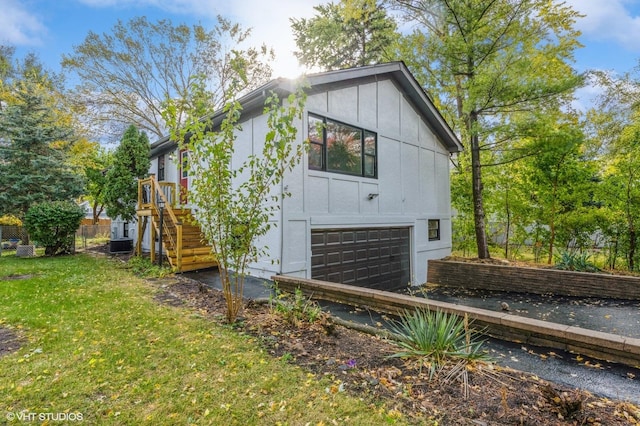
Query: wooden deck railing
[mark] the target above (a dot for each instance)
(150, 193)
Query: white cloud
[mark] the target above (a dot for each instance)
(18, 26)
(268, 19)
(610, 20)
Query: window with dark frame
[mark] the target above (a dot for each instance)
(341, 148)
(434, 229)
(125, 230)
(161, 168)
(184, 160)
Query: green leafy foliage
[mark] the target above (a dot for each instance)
(343, 35)
(487, 63)
(575, 261)
(96, 176)
(130, 162)
(143, 267)
(436, 339)
(237, 199)
(295, 308)
(616, 137)
(53, 225)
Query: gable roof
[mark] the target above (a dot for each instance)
(397, 71)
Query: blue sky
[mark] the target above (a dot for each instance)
(50, 28)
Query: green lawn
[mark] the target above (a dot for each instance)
(96, 344)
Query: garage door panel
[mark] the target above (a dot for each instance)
(333, 258)
(334, 276)
(348, 237)
(376, 258)
(317, 239)
(361, 255)
(348, 256)
(348, 277)
(333, 238)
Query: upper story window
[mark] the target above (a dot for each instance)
(341, 148)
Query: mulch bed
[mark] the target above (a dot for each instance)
(358, 363)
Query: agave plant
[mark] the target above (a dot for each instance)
(574, 261)
(437, 339)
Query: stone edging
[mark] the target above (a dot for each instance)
(505, 326)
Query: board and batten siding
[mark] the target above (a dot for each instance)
(413, 179)
(412, 183)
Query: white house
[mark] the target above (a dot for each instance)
(370, 203)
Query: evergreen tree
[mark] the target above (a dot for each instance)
(34, 138)
(130, 162)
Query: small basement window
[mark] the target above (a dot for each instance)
(434, 229)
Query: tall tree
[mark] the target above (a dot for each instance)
(345, 34)
(127, 75)
(130, 163)
(93, 161)
(616, 132)
(35, 136)
(483, 60)
(561, 182)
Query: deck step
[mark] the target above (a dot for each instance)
(198, 266)
(196, 251)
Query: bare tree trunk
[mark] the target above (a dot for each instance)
(476, 183)
(632, 249)
(630, 226)
(507, 231)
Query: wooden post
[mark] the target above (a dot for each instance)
(179, 246)
(153, 241)
(139, 236)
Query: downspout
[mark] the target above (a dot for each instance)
(280, 263)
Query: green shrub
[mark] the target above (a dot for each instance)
(53, 225)
(436, 339)
(574, 261)
(143, 267)
(295, 308)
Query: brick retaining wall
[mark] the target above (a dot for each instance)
(531, 280)
(502, 325)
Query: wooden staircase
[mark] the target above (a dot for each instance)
(182, 239)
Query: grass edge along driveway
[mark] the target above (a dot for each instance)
(96, 347)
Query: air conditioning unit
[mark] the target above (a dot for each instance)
(121, 245)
